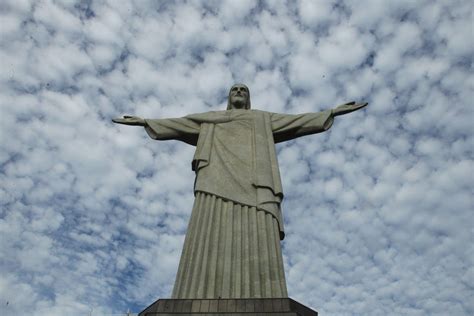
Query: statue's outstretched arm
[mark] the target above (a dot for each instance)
(290, 126)
(130, 120)
(182, 129)
(348, 108)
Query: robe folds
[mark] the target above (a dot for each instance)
(237, 181)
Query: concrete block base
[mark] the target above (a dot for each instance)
(228, 307)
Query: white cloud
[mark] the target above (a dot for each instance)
(315, 13)
(377, 209)
(232, 12)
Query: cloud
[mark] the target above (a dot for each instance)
(377, 210)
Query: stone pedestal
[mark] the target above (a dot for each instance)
(228, 307)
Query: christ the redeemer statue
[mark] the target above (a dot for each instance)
(232, 245)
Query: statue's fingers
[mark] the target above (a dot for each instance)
(359, 106)
(126, 121)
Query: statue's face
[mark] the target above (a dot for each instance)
(239, 95)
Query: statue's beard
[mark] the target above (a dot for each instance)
(238, 104)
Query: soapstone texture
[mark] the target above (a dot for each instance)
(232, 246)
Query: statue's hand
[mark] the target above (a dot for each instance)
(130, 120)
(348, 108)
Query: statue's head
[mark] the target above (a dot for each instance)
(239, 97)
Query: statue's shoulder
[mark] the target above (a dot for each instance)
(209, 113)
(261, 112)
(209, 117)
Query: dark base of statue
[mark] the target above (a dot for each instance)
(228, 307)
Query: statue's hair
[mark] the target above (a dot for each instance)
(247, 105)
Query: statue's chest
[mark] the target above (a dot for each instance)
(235, 138)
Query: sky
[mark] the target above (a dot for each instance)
(378, 210)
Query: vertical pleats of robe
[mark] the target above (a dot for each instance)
(230, 251)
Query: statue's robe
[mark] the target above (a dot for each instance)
(232, 246)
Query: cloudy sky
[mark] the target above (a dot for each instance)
(378, 210)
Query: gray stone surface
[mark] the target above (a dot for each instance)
(236, 168)
(264, 306)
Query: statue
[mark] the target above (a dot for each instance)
(232, 245)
